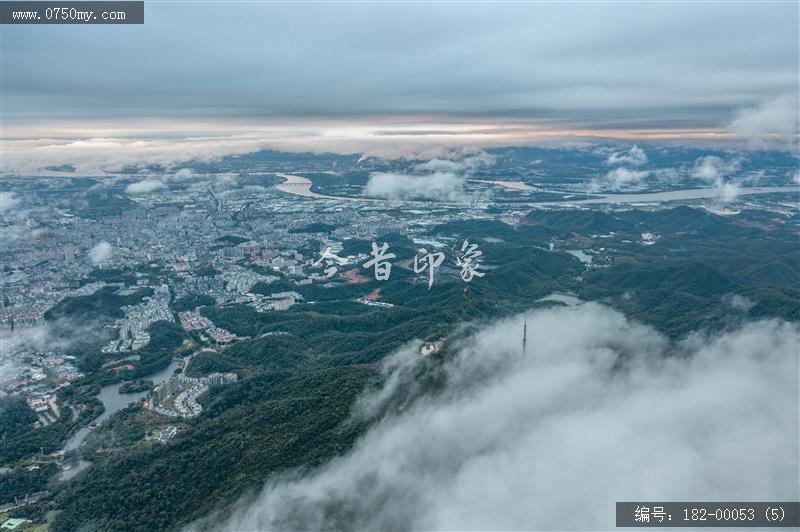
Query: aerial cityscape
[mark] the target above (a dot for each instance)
(454, 294)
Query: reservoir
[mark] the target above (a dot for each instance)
(113, 401)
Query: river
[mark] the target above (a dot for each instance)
(301, 186)
(643, 197)
(675, 195)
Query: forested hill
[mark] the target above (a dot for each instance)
(304, 367)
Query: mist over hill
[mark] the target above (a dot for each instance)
(601, 409)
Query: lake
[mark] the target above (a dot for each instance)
(113, 401)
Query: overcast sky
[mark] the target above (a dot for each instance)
(573, 64)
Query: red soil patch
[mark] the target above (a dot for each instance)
(354, 277)
(374, 295)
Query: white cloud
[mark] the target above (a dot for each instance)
(172, 144)
(440, 165)
(668, 175)
(635, 157)
(467, 164)
(49, 336)
(619, 179)
(100, 253)
(624, 177)
(97, 155)
(226, 180)
(601, 410)
(19, 231)
(103, 156)
(443, 179)
(145, 186)
(729, 191)
(717, 172)
(438, 186)
(183, 173)
(9, 202)
(739, 302)
(774, 117)
(711, 168)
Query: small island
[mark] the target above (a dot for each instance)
(139, 385)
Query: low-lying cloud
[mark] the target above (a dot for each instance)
(183, 173)
(174, 144)
(468, 164)
(9, 201)
(620, 179)
(635, 156)
(144, 186)
(436, 180)
(438, 186)
(739, 302)
(100, 253)
(624, 177)
(719, 173)
(601, 410)
(61, 335)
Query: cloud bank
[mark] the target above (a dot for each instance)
(779, 116)
(144, 186)
(172, 145)
(438, 186)
(601, 410)
(439, 180)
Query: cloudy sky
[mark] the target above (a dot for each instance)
(501, 72)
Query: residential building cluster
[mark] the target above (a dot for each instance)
(133, 334)
(177, 396)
